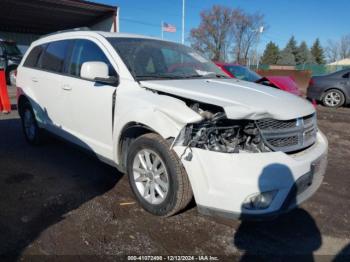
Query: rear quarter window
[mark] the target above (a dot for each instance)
(33, 57)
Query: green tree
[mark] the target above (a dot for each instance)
(292, 46)
(318, 52)
(304, 55)
(271, 53)
(287, 55)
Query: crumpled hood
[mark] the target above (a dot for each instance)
(239, 99)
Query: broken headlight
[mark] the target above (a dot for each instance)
(217, 133)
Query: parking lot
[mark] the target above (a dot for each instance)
(55, 199)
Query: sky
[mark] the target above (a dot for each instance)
(305, 19)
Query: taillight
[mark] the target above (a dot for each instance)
(311, 82)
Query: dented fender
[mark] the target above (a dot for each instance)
(163, 114)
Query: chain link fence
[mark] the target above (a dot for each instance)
(314, 69)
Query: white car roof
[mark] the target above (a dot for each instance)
(111, 34)
(97, 34)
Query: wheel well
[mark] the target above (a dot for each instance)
(8, 70)
(331, 88)
(128, 135)
(21, 101)
(11, 67)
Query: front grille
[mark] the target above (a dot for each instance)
(271, 124)
(283, 141)
(288, 135)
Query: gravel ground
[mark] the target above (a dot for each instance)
(57, 200)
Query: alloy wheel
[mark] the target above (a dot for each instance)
(332, 99)
(151, 177)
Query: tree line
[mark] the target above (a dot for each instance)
(337, 50)
(231, 34)
(294, 54)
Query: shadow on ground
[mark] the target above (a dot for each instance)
(344, 255)
(291, 234)
(40, 185)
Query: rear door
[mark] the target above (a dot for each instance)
(27, 80)
(88, 105)
(47, 83)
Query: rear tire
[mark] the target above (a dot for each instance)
(32, 133)
(333, 98)
(11, 78)
(157, 176)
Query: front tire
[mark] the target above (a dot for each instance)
(157, 176)
(333, 98)
(32, 132)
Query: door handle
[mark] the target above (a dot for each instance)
(35, 80)
(66, 87)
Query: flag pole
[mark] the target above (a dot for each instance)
(161, 29)
(183, 22)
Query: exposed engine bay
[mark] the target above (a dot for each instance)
(217, 133)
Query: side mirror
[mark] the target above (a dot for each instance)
(98, 72)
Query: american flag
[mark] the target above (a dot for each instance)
(169, 28)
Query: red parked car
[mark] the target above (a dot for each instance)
(285, 83)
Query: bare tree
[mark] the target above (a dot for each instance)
(223, 30)
(212, 37)
(344, 47)
(246, 30)
(332, 51)
(338, 49)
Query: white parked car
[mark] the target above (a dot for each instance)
(172, 121)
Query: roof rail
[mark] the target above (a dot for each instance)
(85, 28)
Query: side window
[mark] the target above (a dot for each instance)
(33, 56)
(86, 51)
(238, 72)
(53, 57)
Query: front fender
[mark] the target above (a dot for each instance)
(164, 114)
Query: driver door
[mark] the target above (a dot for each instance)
(88, 105)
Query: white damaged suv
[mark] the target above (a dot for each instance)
(173, 122)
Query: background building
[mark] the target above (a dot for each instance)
(24, 21)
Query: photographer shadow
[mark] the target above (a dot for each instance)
(290, 236)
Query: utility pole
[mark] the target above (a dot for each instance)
(183, 22)
(260, 31)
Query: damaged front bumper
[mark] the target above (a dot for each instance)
(222, 183)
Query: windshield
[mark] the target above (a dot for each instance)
(149, 59)
(243, 73)
(11, 48)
